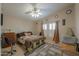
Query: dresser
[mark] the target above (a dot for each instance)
(10, 35)
(8, 43)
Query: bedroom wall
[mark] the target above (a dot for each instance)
(62, 15)
(0, 29)
(0, 20)
(77, 20)
(17, 25)
(38, 26)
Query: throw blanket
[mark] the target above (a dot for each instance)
(30, 38)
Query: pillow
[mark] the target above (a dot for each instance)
(20, 34)
(21, 37)
(26, 34)
(29, 34)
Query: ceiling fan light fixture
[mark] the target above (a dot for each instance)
(38, 10)
(35, 14)
(40, 13)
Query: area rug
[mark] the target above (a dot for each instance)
(46, 50)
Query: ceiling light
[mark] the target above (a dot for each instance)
(36, 13)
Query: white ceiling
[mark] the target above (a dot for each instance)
(19, 9)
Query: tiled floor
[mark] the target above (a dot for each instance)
(19, 50)
(39, 51)
(44, 50)
(48, 49)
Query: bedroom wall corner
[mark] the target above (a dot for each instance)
(77, 20)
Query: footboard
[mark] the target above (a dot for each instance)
(32, 45)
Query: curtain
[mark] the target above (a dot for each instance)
(56, 34)
(42, 31)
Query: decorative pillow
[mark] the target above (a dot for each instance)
(21, 37)
(26, 34)
(20, 34)
(29, 34)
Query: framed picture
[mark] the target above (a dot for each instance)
(68, 11)
(1, 19)
(63, 22)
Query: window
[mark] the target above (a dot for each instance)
(49, 29)
(44, 26)
(52, 26)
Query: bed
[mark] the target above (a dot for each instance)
(30, 41)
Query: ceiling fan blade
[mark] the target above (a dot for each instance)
(34, 6)
(27, 12)
(43, 9)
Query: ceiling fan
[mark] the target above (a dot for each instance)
(34, 8)
(35, 12)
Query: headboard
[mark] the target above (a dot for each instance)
(23, 34)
